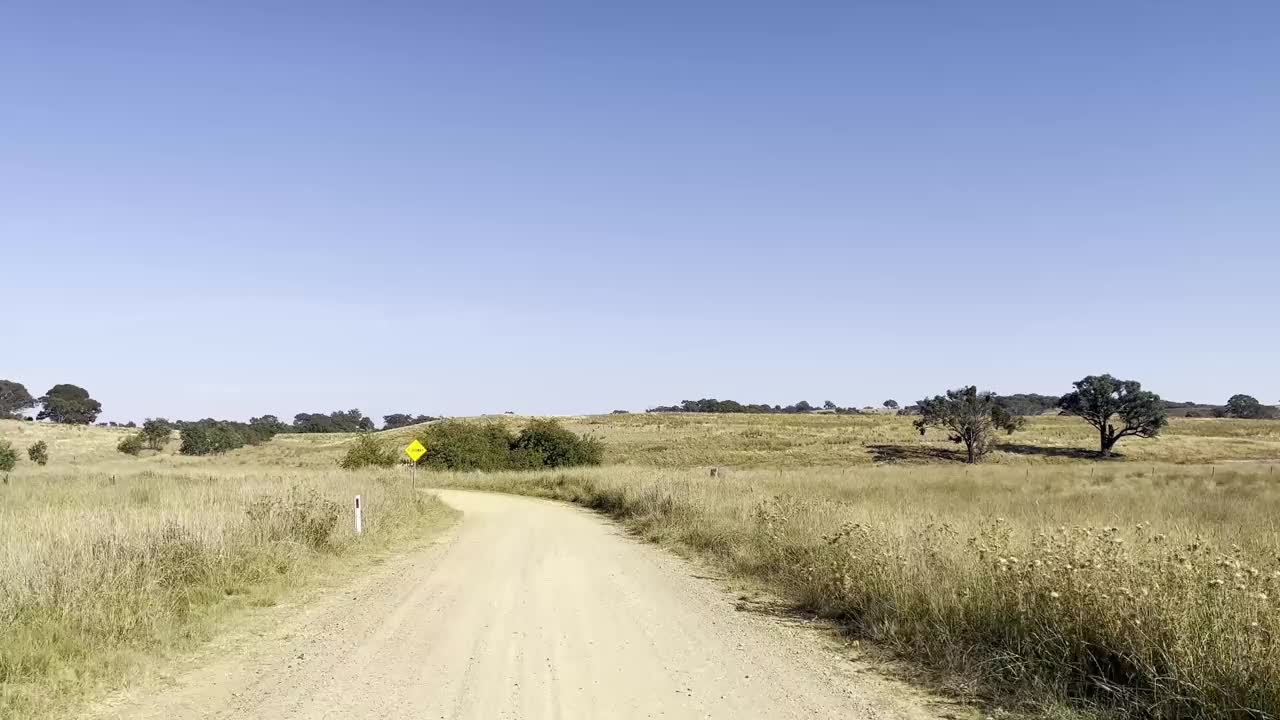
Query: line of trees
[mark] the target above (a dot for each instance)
(337, 421)
(399, 420)
(72, 405)
(1018, 404)
(712, 405)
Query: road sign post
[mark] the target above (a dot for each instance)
(359, 517)
(415, 451)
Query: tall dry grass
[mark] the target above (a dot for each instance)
(676, 440)
(1127, 591)
(101, 571)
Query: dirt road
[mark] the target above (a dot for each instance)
(530, 610)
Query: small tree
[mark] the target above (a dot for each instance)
(1247, 407)
(39, 453)
(156, 432)
(829, 405)
(8, 456)
(70, 405)
(14, 398)
(971, 418)
(131, 444)
(1099, 398)
(891, 404)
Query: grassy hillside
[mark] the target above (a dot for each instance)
(69, 444)
(1041, 575)
(736, 440)
(784, 441)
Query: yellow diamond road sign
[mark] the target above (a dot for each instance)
(415, 450)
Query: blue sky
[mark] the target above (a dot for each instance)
(232, 209)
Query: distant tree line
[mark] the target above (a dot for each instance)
(1028, 404)
(712, 405)
(399, 420)
(341, 421)
(1018, 404)
(335, 422)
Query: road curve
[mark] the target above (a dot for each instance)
(529, 610)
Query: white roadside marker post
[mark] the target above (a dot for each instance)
(359, 519)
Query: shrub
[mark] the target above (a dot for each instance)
(196, 440)
(131, 444)
(367, 451)
(8, 456)
(557, 446)
(209, 436)
(39, 453)
(456, 445)
(156, 432)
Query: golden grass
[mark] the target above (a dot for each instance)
(782, 441)
(676, 440)
(1143, 587)
(737, 440)
(104, 569)
(1114, 589)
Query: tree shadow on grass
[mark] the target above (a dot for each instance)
(914, 454)
(1056, 452)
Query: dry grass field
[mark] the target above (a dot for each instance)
(675, 440)
(107, 565)
(1144, 586)
(1128, 591)
(784, 441)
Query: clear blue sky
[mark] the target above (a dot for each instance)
(233, 208)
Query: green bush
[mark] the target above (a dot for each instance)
(458, 445)
(210, 437)
(131, 444)
(366, 452)
(39, 453)
(156, 432)
(557, 446)
(8, 456)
